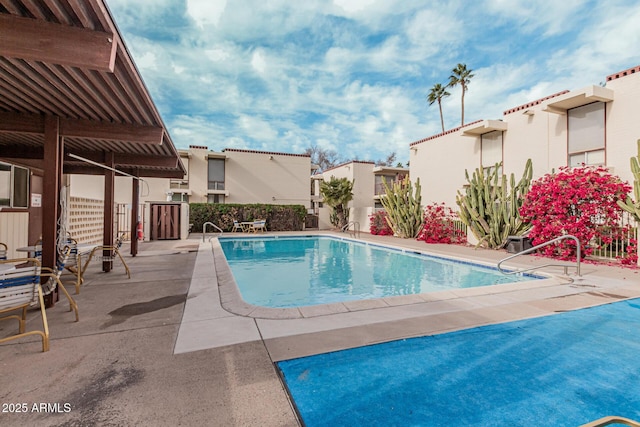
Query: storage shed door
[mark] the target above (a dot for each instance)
(165, 222)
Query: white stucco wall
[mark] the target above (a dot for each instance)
(440, 163)
(253, 177)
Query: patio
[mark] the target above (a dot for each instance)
(159, 349)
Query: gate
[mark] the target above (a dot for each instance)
(165, 221)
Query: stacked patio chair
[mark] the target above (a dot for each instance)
(112, 251)
(3, 251)
(20, 287)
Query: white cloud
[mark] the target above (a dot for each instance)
(258, 61)
(206, 12)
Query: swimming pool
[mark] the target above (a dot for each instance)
(561, 370)
(300, 271)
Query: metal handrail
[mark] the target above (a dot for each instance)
(204, 229)
(356, 228)
(612, 420)
(541, 245)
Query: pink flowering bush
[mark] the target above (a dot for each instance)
(438, 226)
(378, 224)
(579, 201)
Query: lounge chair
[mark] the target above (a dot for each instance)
(20, 287)
(108, 254)
(258, 225)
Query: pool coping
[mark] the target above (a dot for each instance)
(208, 323)
(232, 301)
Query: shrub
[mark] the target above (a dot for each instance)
(439, 225)
(579, 201)
(378, 224)
(279, 217)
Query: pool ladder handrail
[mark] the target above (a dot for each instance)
(204, 229)
(541, 245)
(605, 421)
(356, 229)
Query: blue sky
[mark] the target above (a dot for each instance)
(353, 75)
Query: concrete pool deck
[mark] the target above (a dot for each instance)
(157, 348)
(295, 332)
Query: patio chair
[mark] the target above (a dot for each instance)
(259, 224)
(112, 252)
(3, 251)
(237, 227)
(20, 287)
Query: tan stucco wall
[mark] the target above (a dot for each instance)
(267, 178)
(440, 162)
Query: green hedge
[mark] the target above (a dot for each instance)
(279, 217)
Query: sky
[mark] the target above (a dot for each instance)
(353, 76)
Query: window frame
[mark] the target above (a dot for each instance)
(586, 152)
(13, 187)
(489, 168)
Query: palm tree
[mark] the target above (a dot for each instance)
(461, 76)
(337, 193)
(436, 94)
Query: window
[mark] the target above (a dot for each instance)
(180, 197)
(491, 150)
(216, 174)
(586, 135)
(14, 186)
(215, 198)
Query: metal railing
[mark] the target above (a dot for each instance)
(541, 245)
(356, 229)
(612, 420)
(204, 229)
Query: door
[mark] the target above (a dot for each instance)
(165, 222)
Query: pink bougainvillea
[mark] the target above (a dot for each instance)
(378, 224)
(439, 225)
(579, 201)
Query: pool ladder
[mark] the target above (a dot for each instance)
(611, 420)
(356, 229)
(204, 229)
(542, 245)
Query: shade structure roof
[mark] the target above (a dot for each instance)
(66, 58)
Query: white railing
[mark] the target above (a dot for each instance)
(204, 229)
(557, 239)
(620, 238)
(356, 229)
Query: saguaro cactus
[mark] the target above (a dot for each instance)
(404, 210)
(629, 205)
(490, 209)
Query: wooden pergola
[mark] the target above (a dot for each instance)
(68, 86)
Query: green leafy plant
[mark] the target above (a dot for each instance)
(490, 207)
(279, 217)
(629, 205)
(337, 193)
(403, 207)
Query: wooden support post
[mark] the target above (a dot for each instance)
(135, 221)
(107, 237)
(51, 195)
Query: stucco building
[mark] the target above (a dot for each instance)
(594, 125)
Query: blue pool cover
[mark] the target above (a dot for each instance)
(561, 370)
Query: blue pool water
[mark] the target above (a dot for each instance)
(293, 272)
(561, 370)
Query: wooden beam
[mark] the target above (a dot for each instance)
(135, 222)
(155, 173)
(83, 128)
(51, 192)
(109, 185)
(111, 131)
(22, 123)
(37, 40)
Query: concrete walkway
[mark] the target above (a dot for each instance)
(174, 345)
